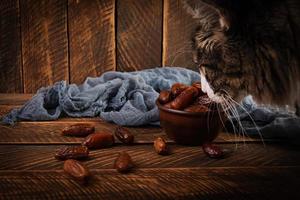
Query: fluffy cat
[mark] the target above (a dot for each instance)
(249, 47)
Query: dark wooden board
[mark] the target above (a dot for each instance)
(186, 183)
(14, 99)
(49, 132)
(92, 38)
(10, 47)
(41, 157)
(44, 43)
(6, 109)
(139, 34)
(179, 27)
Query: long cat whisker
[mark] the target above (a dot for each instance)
(207, 121)
(183, 49)
(242, 129)
(255, 125)
(218, 109)
(241, 106)
(179, 53)
(236, 116)
(226, 110)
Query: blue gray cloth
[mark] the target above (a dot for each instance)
(125, 98)
(267, 121)
(128, 98)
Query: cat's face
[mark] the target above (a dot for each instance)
(225, 68)
(235, 59)
(220, 66)
(220, 63)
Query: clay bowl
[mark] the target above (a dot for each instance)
(189, 128)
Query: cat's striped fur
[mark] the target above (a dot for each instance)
(250, 47)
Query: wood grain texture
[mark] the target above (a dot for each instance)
(41, 157)
(14, 99)
(92, 38)
(186, 183)
(139, 34)
(49, 132)
(10, 47)
(179, 27)
(6, 109)
(44, 42)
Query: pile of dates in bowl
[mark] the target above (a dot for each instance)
(188, 115)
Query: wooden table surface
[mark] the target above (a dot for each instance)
(250, 170)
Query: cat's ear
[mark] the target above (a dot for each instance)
(223, 7)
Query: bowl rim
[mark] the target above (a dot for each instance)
(181, 112)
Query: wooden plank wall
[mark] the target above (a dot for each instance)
(179, 27)
(10, 47)
(91, 38)
(139, 34)
(45, 41)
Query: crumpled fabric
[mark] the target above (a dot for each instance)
(128, 98)
(266, 121)
(125, 98)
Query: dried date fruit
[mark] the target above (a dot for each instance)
(160, 146)
(185, 98)
(168, 105)
(212, 150)
(72, 152)
(196, 108)
(178, 88)
(99, 140)
(164, 96)
(124, 135)
(198, 86)
(76, 169)
(123, 163)
(79, 130)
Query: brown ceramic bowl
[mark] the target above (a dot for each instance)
(189, 128)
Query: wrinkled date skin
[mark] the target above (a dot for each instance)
(212, 150)
(78, 130)
(198, 86)
(160, 146)
(99, 140)
(164, 97)
(124, 135)
(185, 98)
(77, 170)
(123, 163)
(178, 88)
(168, 105)
(188, 98)
(72, 152)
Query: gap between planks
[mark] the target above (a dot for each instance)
(48, 132)
(40, 157)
